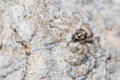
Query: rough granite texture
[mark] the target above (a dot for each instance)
(34, 36)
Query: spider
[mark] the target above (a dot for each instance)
(84, 51)
(83, 36)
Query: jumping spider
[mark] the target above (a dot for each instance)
(84, 50)
(83, 35)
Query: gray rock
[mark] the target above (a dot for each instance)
(34, 35)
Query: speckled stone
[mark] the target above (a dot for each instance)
(45, 27)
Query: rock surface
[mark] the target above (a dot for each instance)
(34, 35)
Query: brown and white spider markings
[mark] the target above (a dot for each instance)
(83, 35)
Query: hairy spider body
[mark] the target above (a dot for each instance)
(85, 38)
(80, 34)
(83, 35)
(83, 45)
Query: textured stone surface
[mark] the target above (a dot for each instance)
(34, 35)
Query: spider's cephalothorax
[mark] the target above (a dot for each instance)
(82, 34)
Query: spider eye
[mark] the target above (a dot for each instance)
(78, 36)
(75, 38)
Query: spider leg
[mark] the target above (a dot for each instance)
(91, 52)
(69, 42)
